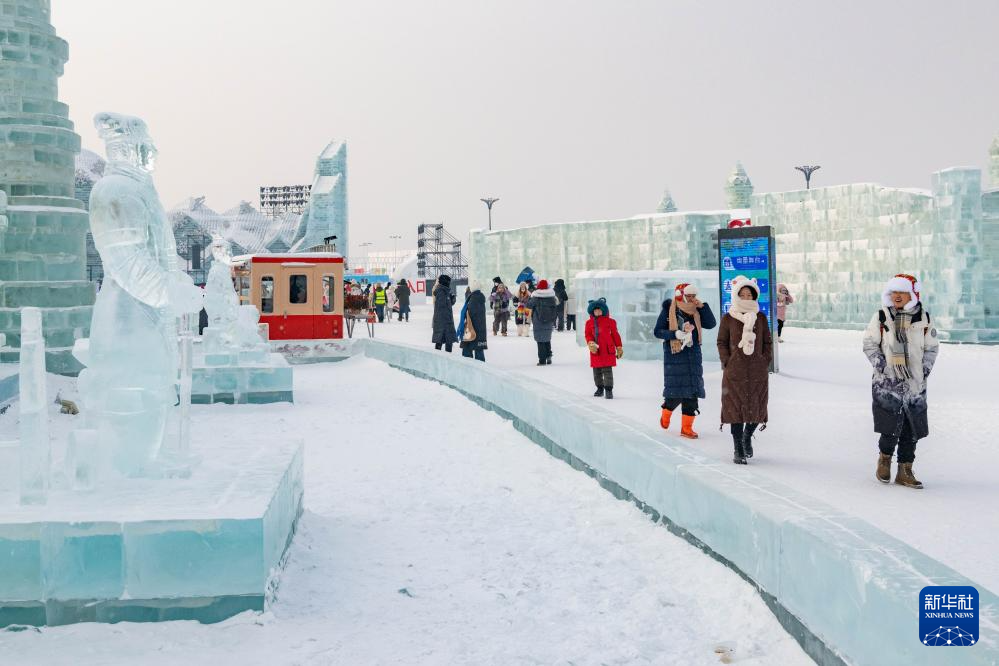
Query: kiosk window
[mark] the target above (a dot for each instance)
(328, 293)
(298, 289)
(266, 294)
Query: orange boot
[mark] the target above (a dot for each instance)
(664, 419)
(688, 428)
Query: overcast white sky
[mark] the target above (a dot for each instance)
(564, 109)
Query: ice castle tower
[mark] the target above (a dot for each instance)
(738, 188)
(666, 204)
(43, 247)
(326, 214)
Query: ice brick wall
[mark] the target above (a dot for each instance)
(43, 250)
(990, 253)
(837, 246)
(659, 242)
(635, 300)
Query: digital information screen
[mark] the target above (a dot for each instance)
(749, 251)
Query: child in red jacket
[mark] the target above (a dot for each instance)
(605, 346)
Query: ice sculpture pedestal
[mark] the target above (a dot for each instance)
(140, 550)
(237, 376)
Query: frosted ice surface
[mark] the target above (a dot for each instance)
(130, 380)
(35, 447)
(635, 300)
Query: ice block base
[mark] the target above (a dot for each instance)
(146, 550)
(240, 380)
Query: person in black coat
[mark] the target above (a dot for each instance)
(679, 326)
(474, 312)
(443, 314)
(402, 293)
(563, 296)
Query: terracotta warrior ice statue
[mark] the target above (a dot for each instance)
(130, 382)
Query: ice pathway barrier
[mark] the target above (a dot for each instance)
(847, 591)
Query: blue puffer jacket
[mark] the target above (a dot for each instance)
(683, 373)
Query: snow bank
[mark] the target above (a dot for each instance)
(846, 589)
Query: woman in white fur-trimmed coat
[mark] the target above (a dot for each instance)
(902, 346)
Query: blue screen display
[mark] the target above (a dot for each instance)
(749, 257)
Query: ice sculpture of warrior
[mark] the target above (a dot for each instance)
(130, 382)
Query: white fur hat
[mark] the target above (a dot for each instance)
(905, 283)
(475, 285)
(740, 281)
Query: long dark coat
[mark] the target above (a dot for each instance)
(683, 372)
(745, 382)
(443, 316)
(544, 312)
(475, 311)
(402, 293)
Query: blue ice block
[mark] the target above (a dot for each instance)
(201, 548)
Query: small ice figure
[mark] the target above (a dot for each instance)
(248, 333)
(35, 447)
(130, 381)
(221, 301)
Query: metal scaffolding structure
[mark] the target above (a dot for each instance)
(275, 201)
(439, 253)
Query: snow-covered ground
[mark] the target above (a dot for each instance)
(434, 533)
(820, 439)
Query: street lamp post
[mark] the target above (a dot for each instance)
(489, 201)
(808, 170)
(395, 251)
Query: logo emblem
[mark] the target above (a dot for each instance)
(948, 616)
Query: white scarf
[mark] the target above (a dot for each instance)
(745, 311)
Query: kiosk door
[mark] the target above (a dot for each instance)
(297, 294)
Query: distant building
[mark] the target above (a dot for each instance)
(276, 201)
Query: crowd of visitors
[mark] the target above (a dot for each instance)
(900, 343)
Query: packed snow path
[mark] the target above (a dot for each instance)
(435, 533)
(820, 440)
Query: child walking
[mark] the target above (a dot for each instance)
(605, 346)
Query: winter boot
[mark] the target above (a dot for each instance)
(687, 430)
(665, 418)
(609, 393)
(905, 478)
(739, 457)
(599, 393)
(747, 439)
(884, 468)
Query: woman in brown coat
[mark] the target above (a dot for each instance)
(746, 348)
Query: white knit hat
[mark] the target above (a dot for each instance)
(740, 281)
(905, 283)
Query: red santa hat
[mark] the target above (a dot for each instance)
(684, 289)
(543, 284)
(905, 283)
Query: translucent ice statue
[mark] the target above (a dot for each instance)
(221, 301)
(130, 381)
(35, 447)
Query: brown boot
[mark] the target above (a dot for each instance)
(688, 428)
(884, 468)
(905, 478)
(665, 418)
